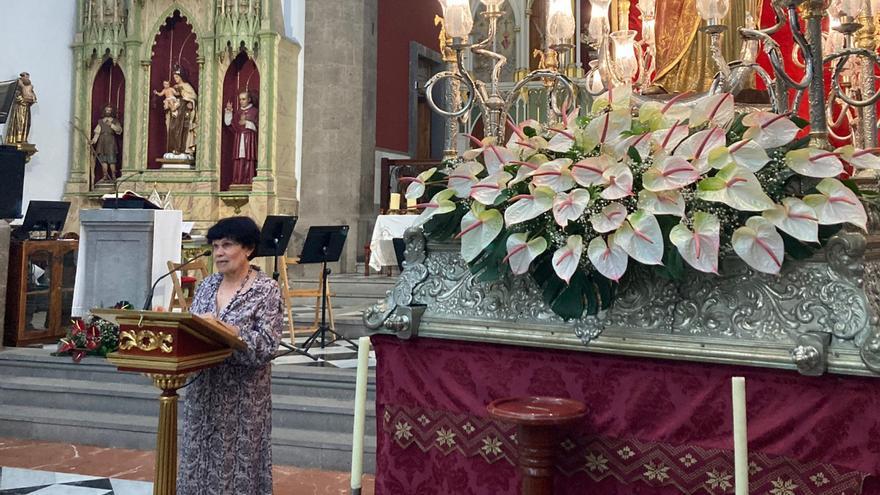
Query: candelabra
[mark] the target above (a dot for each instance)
(495, 104)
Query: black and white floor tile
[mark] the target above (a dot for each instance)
(15, 481)
(334, 354)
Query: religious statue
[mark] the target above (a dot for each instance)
(168, 93)
(104, 142)
(18, 126)
(244, 125)
(180, 118)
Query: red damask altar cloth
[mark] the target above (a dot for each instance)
(653, 426)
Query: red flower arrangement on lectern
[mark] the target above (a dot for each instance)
(91, 336)
(665, 186)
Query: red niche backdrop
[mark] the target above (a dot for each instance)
(108, 89)
(174, 47)
(242, 75)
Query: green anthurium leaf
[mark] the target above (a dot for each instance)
(605, 289)
(796, 249)
(529, 131)
(569, 302)
(634, 154)
(802, 123)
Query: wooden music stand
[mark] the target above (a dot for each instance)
(167, 347)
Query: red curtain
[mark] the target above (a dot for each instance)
(242, 75)
(108, 89)
(176, 44)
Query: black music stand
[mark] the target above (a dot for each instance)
(43, 215)
(274, 238)
(323, 245)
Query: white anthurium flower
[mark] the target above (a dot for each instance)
(589, 171)
(760, 245)
(463, 178)
(520, 144)
(618, 98)
(496, 157)
(487, 190)
(441, 203)
(609, 219)
(567, 258)
(521, 252)
(864, 159)
(568, 207)
(481, 146)
(528, 206)
(416, 188)
(564, 138)
(642, 144)
(769, 130)
(696, 148)
(527, 167)
(814, 162)
(795, 218)
(736, 187)
(660, 115)
(554, 174)
(667, 140)
(479, 227)
(717, 110)
(836, 203)
(700, 246)
(662, 203)
(619, 178)
(641, 238)
(609, 259)
(669, 173)
(606, 129)
(746, 154)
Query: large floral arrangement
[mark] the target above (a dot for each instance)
(665, 185)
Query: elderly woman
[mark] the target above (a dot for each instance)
(226, 446)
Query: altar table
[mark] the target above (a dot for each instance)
(387, 228)
(652, 427)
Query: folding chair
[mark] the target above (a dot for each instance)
(287, 293)
(185, 285)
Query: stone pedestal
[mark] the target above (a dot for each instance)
(121, 253)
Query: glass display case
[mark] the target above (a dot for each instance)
(40, 290)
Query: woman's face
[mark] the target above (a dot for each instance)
(229, 256)
(177, 78)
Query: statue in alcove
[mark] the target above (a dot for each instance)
(180, 119)
(243, 122)
(104, 142)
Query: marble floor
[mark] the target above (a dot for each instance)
(46, 468)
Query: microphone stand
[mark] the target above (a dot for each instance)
(149, 298)
(120, 181)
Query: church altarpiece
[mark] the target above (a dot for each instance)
(166, 92)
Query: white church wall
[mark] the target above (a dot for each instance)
(295, 29)
(36, 38)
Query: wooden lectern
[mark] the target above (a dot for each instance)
(167, 347)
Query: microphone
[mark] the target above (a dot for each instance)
(153, 288)
(120, 181)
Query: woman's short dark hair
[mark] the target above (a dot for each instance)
(242, 230)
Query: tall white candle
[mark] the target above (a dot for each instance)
(740, 436)
(394, 203)
(360, 414)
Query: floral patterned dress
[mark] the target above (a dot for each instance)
(227, 431)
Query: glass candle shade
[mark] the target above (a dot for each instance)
(648, 30)
(851, 8)
(459, 20)
(598, 18)
(560, 22)
(713, 10)
(647, 8)
(625, 53)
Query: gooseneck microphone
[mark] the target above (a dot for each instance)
(153, 288)
(120, 181)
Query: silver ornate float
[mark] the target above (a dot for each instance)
(818, 315)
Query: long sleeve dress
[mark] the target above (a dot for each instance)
(226, 447)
